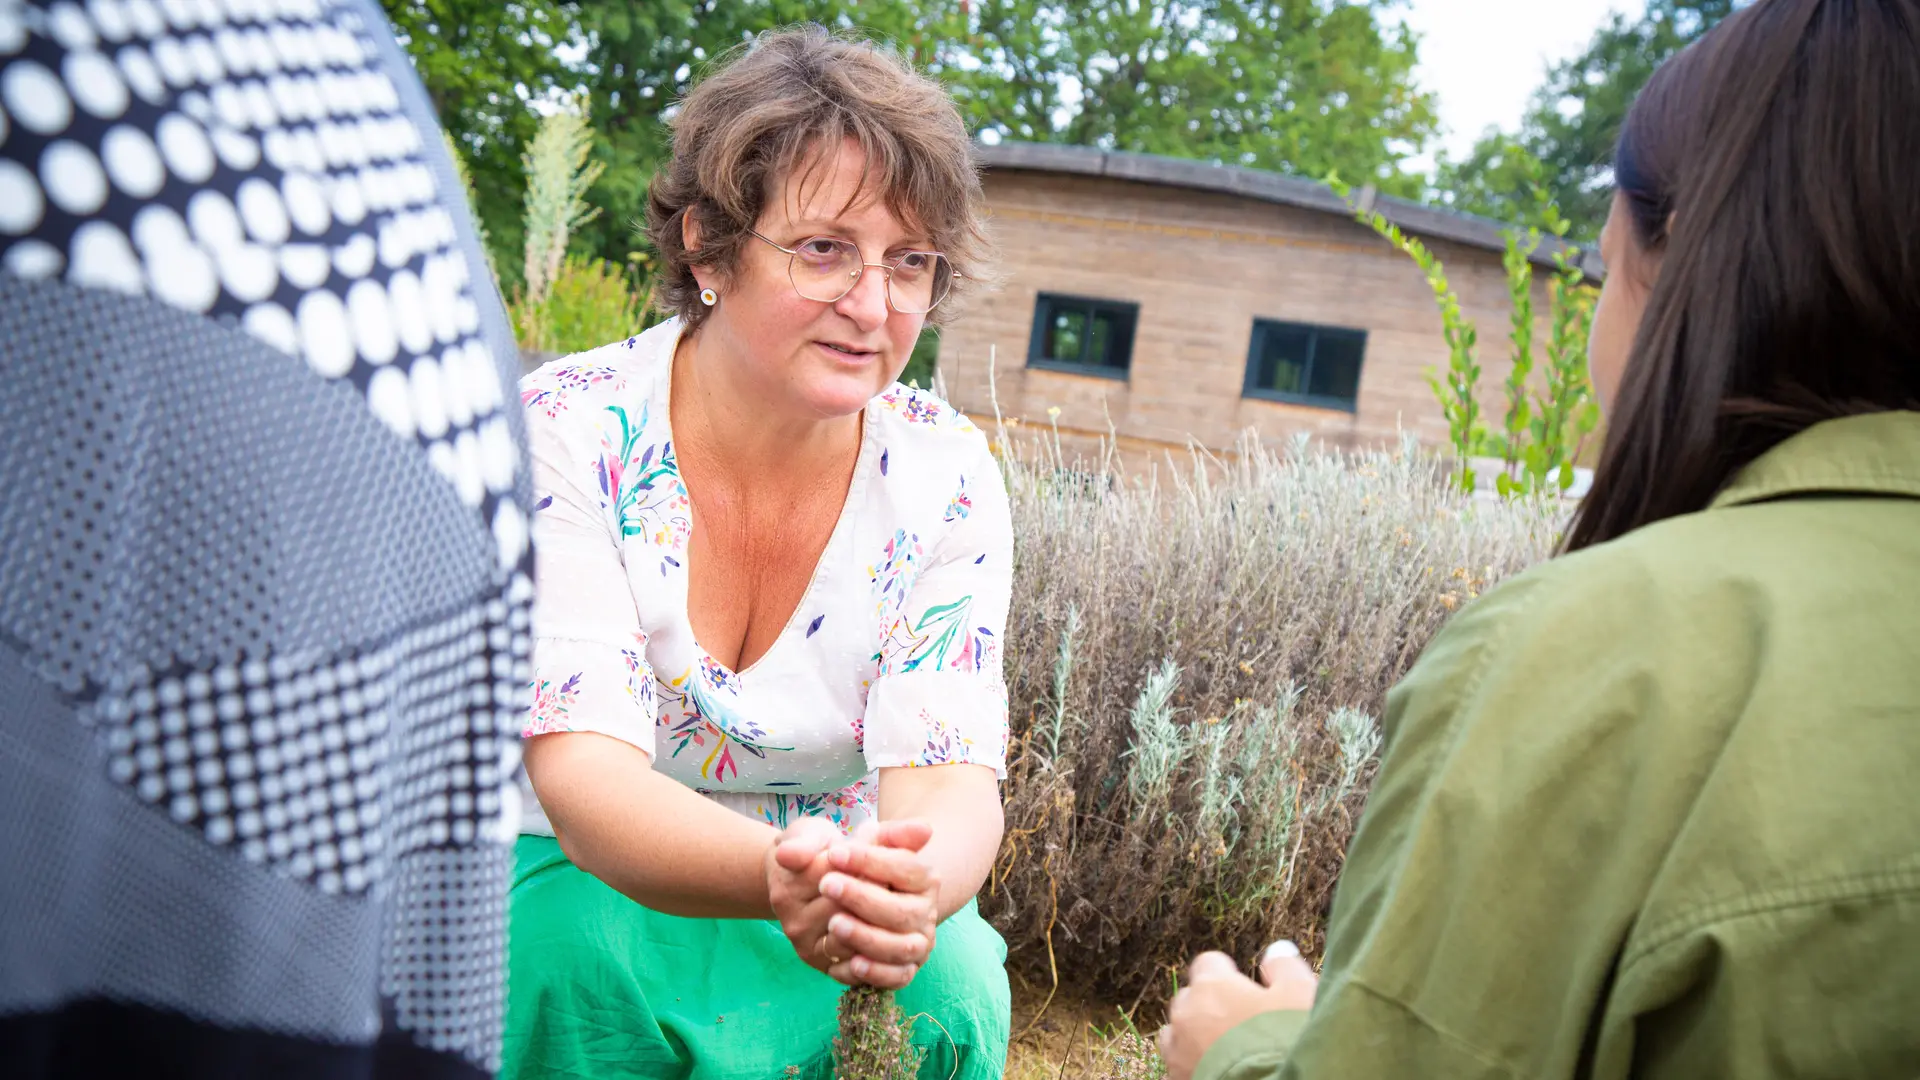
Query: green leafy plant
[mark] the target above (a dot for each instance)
(874, 1042)
(1569, 413)
(1457, 392)
(589, 303)
(925, 360)
(1517, 261)
(1544, 429)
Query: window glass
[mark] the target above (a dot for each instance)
(1066, 334)
(1336, 365)
(1081, 335)
(1307, 365)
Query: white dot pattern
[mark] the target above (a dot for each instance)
(95, 84)
(242, 181)
(143, 75)
(21, 203)
(283, 114)
(33, 259)
(35, 98)
(133, 161)
(13, 30)
(280, 757)
(73, 178)
(69, 26)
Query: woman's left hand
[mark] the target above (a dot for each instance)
(1217, 999)
(889, 895)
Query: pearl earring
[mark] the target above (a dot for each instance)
(709, 297)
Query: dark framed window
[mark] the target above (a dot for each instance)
(1081, 335)
(1305, 364)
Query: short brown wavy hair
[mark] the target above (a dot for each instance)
(769, 109)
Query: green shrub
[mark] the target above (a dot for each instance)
(1195, 659)
(589, 302)
(568, 303)
(924, 363)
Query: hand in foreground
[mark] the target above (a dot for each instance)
(1217, 998)
(889, 896)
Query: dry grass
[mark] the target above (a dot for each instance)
(1195, 660)
(1077, 1038)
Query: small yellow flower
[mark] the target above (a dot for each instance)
(1053, 411)
(1246, 668)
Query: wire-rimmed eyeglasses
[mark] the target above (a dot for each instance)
(826, 268)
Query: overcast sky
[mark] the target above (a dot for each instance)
(1484, 58)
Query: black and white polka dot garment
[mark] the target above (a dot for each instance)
(263, 554)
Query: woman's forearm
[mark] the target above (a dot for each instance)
(647, 835)
(962, 803)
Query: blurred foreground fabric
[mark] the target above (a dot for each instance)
(263, 554)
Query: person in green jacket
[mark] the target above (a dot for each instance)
(1652, 809)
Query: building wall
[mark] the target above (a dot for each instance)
(1202, 267)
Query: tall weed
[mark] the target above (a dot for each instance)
(569, 303)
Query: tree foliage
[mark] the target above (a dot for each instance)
(482, 61)
(1575, 116)
(1303, 86)
(1309, 87)
(642, 56)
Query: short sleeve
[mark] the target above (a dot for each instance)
(940, 696)
(590, 670)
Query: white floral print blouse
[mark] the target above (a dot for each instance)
(891, 659)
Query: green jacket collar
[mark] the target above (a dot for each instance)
(1876, 454)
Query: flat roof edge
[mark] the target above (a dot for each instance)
(1416, 218)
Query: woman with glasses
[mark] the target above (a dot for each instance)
(768, 712)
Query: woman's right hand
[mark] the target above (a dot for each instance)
(795, 863)
(889, 895)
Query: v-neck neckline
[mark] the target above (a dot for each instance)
(862, 464)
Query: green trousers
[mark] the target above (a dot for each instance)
(601, 987)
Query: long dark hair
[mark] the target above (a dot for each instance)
(1784, 149)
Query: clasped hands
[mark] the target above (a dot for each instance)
(862, 909)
